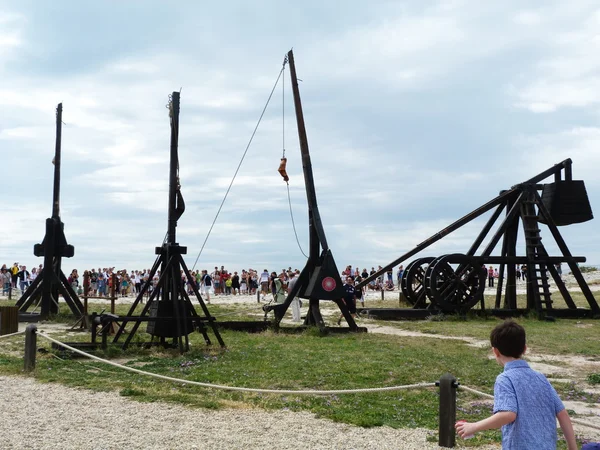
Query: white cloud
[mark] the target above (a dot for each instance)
(11, 39)
(581, 144)
(569, 76)
(385, 174)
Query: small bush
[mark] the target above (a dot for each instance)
(587, 269)
(129, 392)
(594, 378)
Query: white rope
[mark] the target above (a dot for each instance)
(239, 389)
(474, 391)
(483, 394)
(11, 334)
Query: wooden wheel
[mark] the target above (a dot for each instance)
(454, 290)
(412, 280)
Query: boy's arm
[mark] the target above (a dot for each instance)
(567, 428)
(498, 420)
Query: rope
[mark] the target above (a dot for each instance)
(474, 391)
(238, 167)
(11, 334)
(294, 223)
(283, 110)
(234, 388)
(283, 156)
(483, 394)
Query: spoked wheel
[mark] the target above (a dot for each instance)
(454, 290)
(412, 282)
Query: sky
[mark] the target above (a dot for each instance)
(417, 112)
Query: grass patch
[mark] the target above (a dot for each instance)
(593, 378)
(289, 361)
(564, 336)
(570, 391)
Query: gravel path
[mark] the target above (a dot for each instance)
(51, 416)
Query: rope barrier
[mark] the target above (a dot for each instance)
(474, 391)
(272, 391)
(12, 334)
(234, 388)
(483, 394)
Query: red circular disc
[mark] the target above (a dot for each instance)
(328, 284)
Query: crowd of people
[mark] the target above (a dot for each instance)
(107, 281)
(216, 282)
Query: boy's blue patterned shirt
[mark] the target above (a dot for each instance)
(528, 394)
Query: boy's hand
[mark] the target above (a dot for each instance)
(465, 429)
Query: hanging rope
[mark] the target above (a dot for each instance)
(240, 164)
(293, 223)
(282, 170)
(283, 163)
(283, 109)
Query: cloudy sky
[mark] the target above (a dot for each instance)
(417, 112)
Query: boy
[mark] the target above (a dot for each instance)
(526, 406)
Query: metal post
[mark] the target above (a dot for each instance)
(30, 346)
(113, 291)
(447, 432)
(86, 291)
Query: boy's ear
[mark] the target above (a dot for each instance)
(496, 352)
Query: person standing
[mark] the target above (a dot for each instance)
(490, 276)
(93, 281)
(235, 284)
(23, 277)
(526, 406)
(349, 298)
(264, 283)
(74, 279)
(278, 288)
(244, 282)
(206, 285)
(216, 279)
(400, 273)
(5, 279)
(228, 282)
(359, 292)
(390, 275)
(101, 284)
(14, 270)
(252, 281)
(296, 301)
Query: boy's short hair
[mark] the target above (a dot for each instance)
(509, 339)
